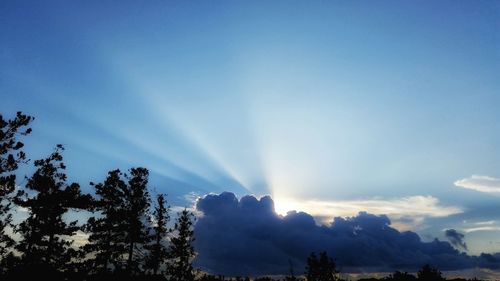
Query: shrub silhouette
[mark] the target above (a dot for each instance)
(429, 273)
(401, 276)
(322, 269)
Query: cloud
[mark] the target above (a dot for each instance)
(189, 201)
(491, 222)
(491, 225)
(482, 228)
(456, 238)
(407, 212)
(247, 237)
(480, 183)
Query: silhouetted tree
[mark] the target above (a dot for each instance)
(45, 234)
(107, 229)
(322, 269)
(158, 252)
(181, 248)
(11, 156)
(401, 276)
(429, 273)
(138, 201)
(119, 231)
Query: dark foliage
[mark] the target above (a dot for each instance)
(429, 273)
(158, 251)
(106, 240)
(181, 248)
(11, 155)
(120, 230)
(321, 269)
(137, 204)
(47, 199)
(401, 276)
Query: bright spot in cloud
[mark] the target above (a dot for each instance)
(480, 183)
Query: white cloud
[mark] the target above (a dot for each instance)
(482, 228)
(406, 212)
(491, 225)
(485, 223)
(480, 183)
(191, 199)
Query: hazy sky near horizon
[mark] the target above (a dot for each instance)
(331, 107)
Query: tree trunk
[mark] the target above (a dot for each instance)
(130, 257)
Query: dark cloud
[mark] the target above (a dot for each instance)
(247, 237)
(456, 238)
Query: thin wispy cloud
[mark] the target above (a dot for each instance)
(482, 228)
(490, 225)
(485, 223)
(480, 183)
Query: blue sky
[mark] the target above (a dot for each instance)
(344, 105)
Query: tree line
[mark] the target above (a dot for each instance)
(323, 268)
(127, 234)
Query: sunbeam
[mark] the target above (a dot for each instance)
(330, 108)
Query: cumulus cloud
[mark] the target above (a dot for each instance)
(407, 211)
(247, 237)
(480, 183)
(456, 238)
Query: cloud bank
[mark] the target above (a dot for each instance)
(247, 237)
(480, 183)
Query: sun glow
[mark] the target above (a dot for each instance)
(284, 205)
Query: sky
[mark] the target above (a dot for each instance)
(330, 107)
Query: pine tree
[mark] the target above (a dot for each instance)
(106, 239)
(119, 231)
(48, 199)
(138, 201)
(158, 252)
(181, 248)
(11, 156)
